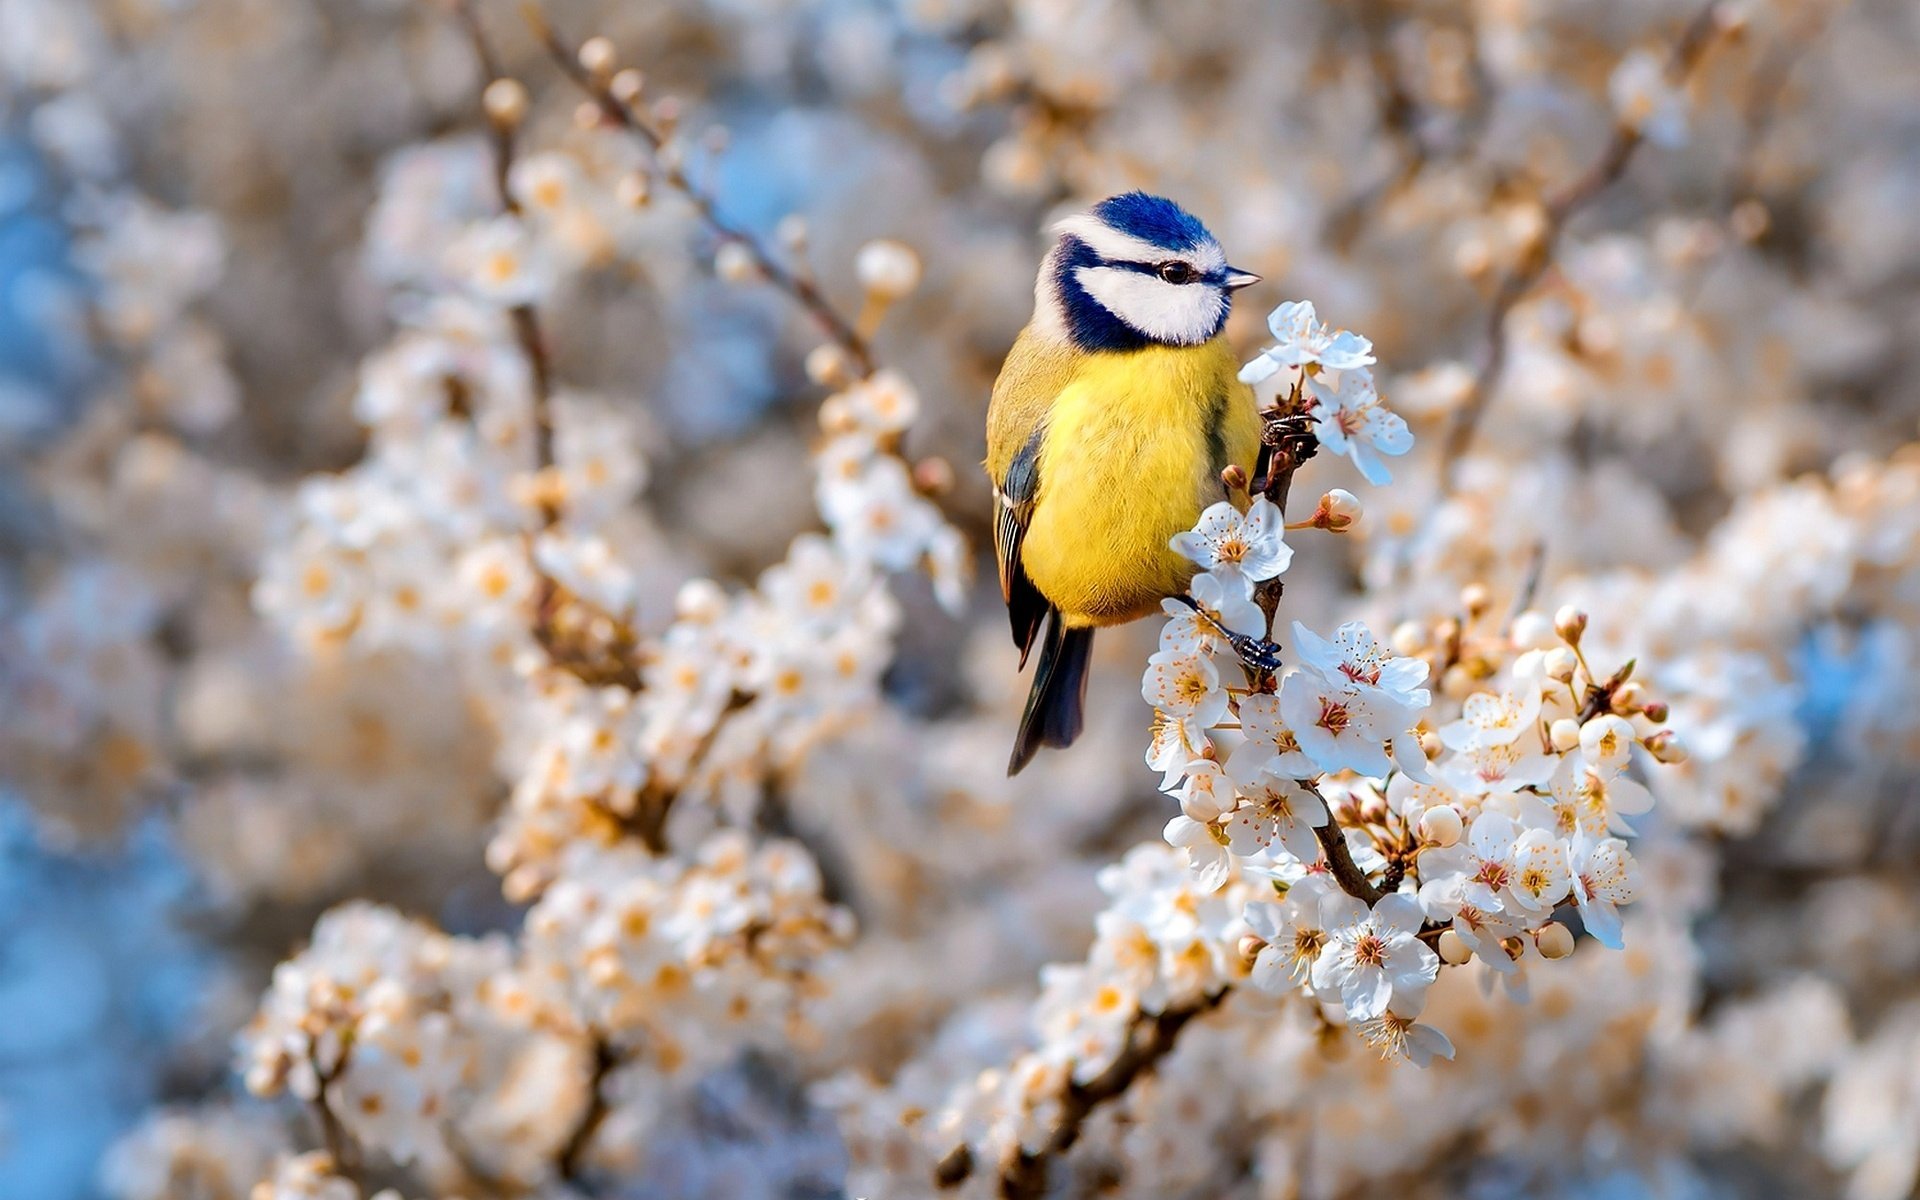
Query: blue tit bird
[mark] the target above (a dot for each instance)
(1112, 420)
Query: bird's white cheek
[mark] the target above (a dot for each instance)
(1185, 314)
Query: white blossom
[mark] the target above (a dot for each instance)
(1373, 958)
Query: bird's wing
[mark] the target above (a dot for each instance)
(1035, 371)
(1013, 496)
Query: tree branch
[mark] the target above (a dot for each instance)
(1149, 1040)
(1556, 211)
(615, 665)
(605, 1061)
(1347, 873)
(629, 116)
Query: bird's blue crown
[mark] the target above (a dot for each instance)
(1154, 219)
(1134, 271)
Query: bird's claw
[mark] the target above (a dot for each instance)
(1257, 653)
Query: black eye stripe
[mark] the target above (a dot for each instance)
(1190, 273)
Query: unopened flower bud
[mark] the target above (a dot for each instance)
(1514, 946)
(1655, 711)
(1453, 948)
(1565, 734)
(634, 190)
(626, 85)
(1628, 697)
(1250, 948)
(1234, 478)
(889, 270)
(666, 115)
(1409, 638)
(700, 600)
(933, 476)
(1667, 747)
(1554, 940)
(1430, 744)
(734, 262)
(1561, 663)
(1531, 631)
(506, 102)
(587, 115)
(1570, 623)
(1440, 825)
(1476, 598)
(1337, 512)
(829, 366)
(836, 416)
(598, 56)
(792, 232)
(1458, 683)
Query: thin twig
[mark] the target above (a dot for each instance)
(615, 666)
(605, 1061)
(632, 118)
(334, 1138)
(1556, 210)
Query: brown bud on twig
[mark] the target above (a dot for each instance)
(599, 57)
(627, 85)
(829, 366)
(506, 102)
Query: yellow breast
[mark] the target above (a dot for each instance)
(1133, 450)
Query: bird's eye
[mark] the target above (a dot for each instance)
(1175, 272)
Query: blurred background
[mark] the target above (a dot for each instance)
(217, 216)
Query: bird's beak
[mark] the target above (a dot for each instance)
(1237, 279)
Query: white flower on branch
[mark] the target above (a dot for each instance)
(1276, 811)
(1342, 726)
(1301, 340)
(1591, 796)
(1349, 419)
(1373, 957)
(1270, 747)
(1398, 1037)
(1604, 877)
(1353, 654)
(1186, 688)
(503, 262)
(1499, 868)
(1293, 930)
(1228, 542)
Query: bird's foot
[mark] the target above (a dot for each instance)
(1258, 654)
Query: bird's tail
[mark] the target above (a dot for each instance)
(1057, 703)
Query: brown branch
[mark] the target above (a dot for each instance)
(629, 116)
(1149, 1040)
(615, 665)
(605, 1061)
(1600, 695)
(1556, 210)
(1347, 873)
(334, 1138)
